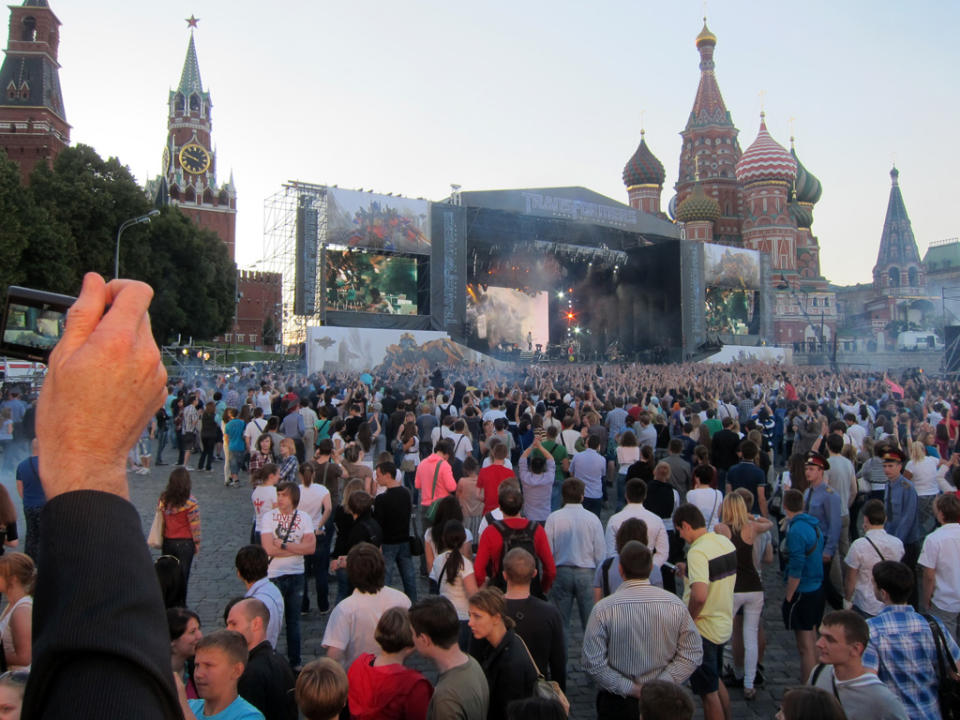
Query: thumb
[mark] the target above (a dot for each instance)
(84, 315)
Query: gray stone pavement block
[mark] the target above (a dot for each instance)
(227, 516)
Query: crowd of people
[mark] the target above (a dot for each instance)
(461, 514)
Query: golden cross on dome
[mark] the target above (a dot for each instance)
(192, 21)
(763, 95)
(642, 113)
(791, 131)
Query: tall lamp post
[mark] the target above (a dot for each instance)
(129, 223)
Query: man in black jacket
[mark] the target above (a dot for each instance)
(267, 682)
(100, 642)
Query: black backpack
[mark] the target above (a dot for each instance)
(515, 538)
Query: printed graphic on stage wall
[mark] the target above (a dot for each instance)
(362, 282)
(377, 222)
(503, 317)
(731, 267)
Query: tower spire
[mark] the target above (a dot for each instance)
(190, 76)
(898, 261)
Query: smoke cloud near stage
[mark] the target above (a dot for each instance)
(499, 316)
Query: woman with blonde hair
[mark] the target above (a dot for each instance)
(18, 575)
(742, 529)
(921, 470)
(505, 660)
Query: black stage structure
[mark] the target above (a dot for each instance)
(622, 284)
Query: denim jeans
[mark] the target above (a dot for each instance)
(397, 555)
(316, 566)
(621, 491)
(291, 587)
(573, 583)
(161, 444)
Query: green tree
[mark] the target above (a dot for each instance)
(13, 231)
(70, 215)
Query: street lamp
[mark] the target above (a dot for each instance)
(124, 226)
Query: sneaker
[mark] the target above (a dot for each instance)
(235, 483)
(189, 469)
(143, 471)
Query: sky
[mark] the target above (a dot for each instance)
(409, 97)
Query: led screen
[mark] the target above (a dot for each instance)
(361, 282)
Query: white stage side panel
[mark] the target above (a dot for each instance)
(363, 349)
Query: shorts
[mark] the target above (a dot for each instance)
(805, 611)
(706, 678)
(235, 458)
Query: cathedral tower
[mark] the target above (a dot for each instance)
(710, 148)
(33, 125)
(898, 271)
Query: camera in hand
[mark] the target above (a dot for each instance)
(32, 323)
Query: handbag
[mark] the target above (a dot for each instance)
(432, 510)
(948, 687)
(408, 465)
(546, 689)
(415, 540)
(155, 536)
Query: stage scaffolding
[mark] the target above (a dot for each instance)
(280, 251)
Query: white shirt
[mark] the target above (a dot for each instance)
(354, 621)
(263, 402)
(311, 502)
(264, 499)
(862, 557)
(856, 433)
(710, 503)
(276, 523)
(253, 430)
(656, 532)
(924, 475)
(941, 552)
(455, 593)
(462, 446)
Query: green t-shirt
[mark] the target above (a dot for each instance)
(559, 453)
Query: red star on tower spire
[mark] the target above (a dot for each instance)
(192, 21)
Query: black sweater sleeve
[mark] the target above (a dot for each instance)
(101, 646)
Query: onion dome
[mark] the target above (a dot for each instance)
(706, 37)
(698, 207)
(643, 168)
(808, 188)
(766, 160)
(672, 208)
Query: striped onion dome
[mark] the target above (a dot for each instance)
(766, 159)
(643, 168)
(808, 187)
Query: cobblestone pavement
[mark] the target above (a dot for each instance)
(227, 516)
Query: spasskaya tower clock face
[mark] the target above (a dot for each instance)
(194, 159)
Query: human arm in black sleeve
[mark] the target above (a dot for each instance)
(101, 646)
(558, 651)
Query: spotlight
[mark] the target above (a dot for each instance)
(576, 330)
(560, 294)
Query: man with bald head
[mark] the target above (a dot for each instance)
(267, 682)
(539, 622)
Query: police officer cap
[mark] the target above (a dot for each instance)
(817, 460)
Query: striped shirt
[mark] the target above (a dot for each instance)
(638, 634)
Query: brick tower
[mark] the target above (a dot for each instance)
(710, 148)
(189, 164)
(33, 125)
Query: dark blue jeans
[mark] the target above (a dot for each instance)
(317, 567)
(397, 555)
(161, 444)
(291, 587)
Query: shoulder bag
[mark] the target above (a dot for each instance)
(432, 510)
(948, 687)
(155, 537)
(543, 688)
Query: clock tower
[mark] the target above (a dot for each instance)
(189, 164)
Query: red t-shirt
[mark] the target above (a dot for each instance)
(489, 481)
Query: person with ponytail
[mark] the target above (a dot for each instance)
(453, 574)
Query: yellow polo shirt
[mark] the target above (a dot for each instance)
(712, 559)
